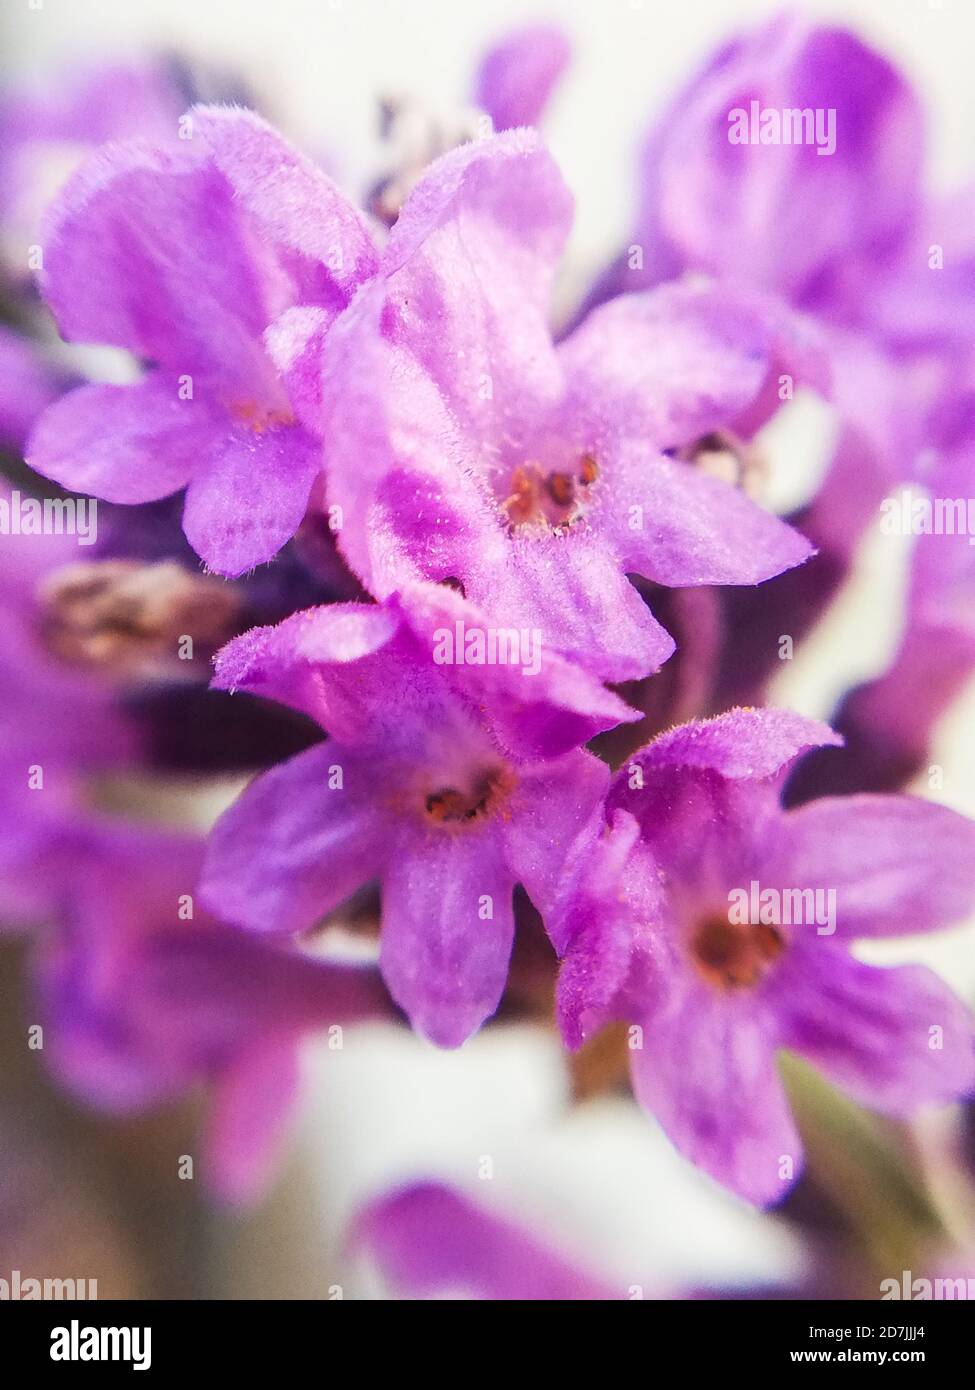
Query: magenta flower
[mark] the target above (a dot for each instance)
(448, 782)
(143, 998)
(186, 255)
(463, 444)
(720, 926)
(430, 1241)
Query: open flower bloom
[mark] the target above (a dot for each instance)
(226, 261)
(428, 1240)
(720, 926)
(448, 778)
(462, 444)
(185, 254)
(143, 998)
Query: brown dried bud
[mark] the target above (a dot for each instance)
(123, 616)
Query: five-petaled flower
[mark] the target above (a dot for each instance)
(648, 936)
(448, 783)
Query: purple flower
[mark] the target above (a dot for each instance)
(810, 214)
(430, 1241)
(804, 128)
(143, 998)
(448, 778)
(462, 444)
(720, 926)
(188, 255)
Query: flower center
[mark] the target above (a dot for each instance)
(258, 418)
(732, 956)
(451, 805)
(552, 500)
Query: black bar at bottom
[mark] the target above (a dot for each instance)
(107, 1337)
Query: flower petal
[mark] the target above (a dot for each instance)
(248, 498)
(124, 443)
(597, 927)
(398, 464)
(432, 1242)
(744, 743)
(253, 1100)
(708, 1074)
(538, 704)
(671, 523)
(470, 264)
(894, 1038)
(29, 382)
(573, 590)
(707, 797)
(555, 812)
(447, 931)
(716, 200)
(665, 367)
(285, 662)
(518, 74)
(295, 204)
(295, 343)
(897, 864)
(144, 248)
(295, 844)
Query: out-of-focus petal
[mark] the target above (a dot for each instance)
(431, 1242)
(517, 76)
(717, 201)
(252, 1103)
(895, 1039)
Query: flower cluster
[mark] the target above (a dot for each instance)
(493, 604)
